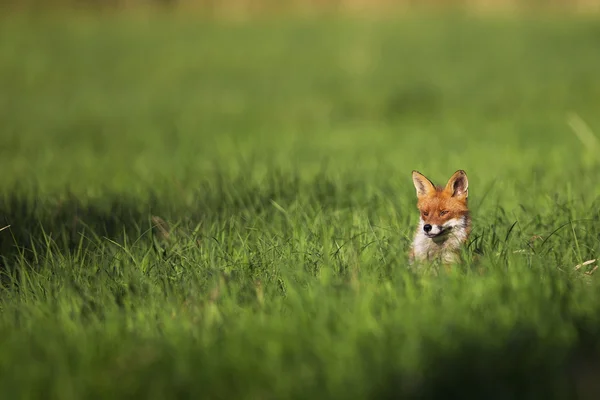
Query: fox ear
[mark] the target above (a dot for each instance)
(458, 184)
(423, 185)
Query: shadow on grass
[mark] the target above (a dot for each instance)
(525, 367)
(65, 222)
(35, 223)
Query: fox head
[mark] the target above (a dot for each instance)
(443, 209)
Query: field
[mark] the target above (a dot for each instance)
(203, 209)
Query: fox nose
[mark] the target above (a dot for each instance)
(427, 228)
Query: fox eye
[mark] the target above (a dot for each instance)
(443, 213)
(425, 213)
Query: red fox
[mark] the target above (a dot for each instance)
(445, 223)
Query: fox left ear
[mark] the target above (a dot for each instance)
(423, 185)
(458, 184)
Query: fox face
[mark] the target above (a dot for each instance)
(444, 221)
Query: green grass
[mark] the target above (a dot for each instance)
(280, 156)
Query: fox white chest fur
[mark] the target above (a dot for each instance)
(445, 224)
(444, 247)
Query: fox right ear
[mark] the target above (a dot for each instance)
(423, 185)
(458, 184)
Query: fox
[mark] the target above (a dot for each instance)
(445, 221)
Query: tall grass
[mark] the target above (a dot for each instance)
(201, 209)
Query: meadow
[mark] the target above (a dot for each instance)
(196, 208)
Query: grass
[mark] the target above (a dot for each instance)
(201, 209)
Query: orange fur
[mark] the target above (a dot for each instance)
(445, 223)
